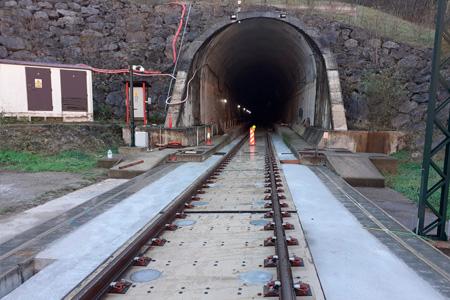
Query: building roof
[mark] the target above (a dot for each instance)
(45, 64)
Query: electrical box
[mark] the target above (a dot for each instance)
(141, 139)
(138, 93)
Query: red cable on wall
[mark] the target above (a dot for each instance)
(180, 26)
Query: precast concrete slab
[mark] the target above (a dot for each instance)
(83, 250)
(356, 256)
(356, 170)
(210, 258)
(14, 225)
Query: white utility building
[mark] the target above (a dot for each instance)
(45, 90)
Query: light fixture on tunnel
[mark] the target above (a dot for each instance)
(238, 106)
(224, 100)
(233, 17)
(283, 16)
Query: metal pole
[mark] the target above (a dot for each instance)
(429, 149)
(132, 125)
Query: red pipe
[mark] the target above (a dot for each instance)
(127, 102)
(180, 26)
(144, 92)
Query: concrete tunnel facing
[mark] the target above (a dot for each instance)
(265, 65)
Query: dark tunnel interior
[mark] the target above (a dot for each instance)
(263, 70)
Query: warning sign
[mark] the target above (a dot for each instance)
(37, 83)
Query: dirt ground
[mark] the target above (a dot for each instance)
(20, 191)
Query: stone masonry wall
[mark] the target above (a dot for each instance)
(109, 33)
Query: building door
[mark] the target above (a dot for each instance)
(39, 89)
(73, 90)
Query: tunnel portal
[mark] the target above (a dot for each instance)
(260, 69)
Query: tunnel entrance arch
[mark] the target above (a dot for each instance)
(275, 68)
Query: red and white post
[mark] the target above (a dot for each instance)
(208, 137)
(252, 135)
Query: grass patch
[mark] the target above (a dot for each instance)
(386, 25)
(67, 161)
(382, 24)
(407, 180)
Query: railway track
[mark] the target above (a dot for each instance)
(233, 235)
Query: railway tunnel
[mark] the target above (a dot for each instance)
(259, 69)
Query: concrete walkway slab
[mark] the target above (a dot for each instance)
(14, 225)
(150, 160)
(356, 170)
(351, 262)
(82, 251)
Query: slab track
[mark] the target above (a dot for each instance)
(238, 236)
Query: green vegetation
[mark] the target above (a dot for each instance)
(382, 24)
(386, 94)
(407, 180)
(386, 25)
(67, 161)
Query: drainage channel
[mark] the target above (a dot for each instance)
(224, 238)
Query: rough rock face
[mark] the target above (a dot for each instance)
(109, 34)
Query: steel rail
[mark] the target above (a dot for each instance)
(284, 272)
(97, 286)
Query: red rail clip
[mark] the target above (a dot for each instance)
(272, 289)
(268, 191)
(171, 227)
(285, 214)
(180, 215)
(188, 205)
(267, 197)
(291, 241)
(269, 226)
(296, 261)
(288, 226)
(158, 242)
(195, 198)
(284, 204)
(141, 261)
(271, 261)
(280, 190)
(270, 241)
(119, 287)
(200, 191)
(268, 214)
(281, 197)
(302, 289)
(268, 205)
